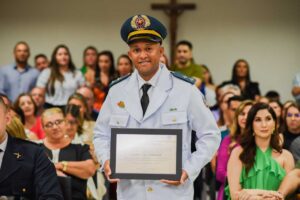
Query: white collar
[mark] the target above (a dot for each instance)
(152, 81)
(4, 143)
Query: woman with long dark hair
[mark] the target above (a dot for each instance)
(259, 164)
(61, 79)
(241, 77)
(105, 72)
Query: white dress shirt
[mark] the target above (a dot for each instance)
(2, 149)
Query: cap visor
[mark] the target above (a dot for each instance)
(144, 38)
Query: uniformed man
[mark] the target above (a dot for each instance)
(142, 99)
(25, 170)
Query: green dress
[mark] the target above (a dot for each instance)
(266, 174)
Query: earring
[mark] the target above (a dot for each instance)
(253, 134)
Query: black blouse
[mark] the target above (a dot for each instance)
(74, 152)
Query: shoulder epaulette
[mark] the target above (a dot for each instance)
(118, 80)
(184, 77)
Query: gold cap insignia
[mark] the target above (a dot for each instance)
(140, 22)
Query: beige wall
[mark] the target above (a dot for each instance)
(266, 33)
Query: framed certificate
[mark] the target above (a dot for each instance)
(149, 154)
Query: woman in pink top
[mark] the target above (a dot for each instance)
(229, 143)
(29, 109)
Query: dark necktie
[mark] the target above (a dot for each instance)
(145, 97)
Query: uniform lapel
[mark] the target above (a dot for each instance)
(132, 100)
(160, 92)
(10, 160)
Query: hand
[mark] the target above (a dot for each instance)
(59, 166)
(182, 180)
(60, 173)
(107, 172)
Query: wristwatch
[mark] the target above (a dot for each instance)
(65, 165)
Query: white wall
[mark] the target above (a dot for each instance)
(266, 33)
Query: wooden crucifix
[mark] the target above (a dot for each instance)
(173, 10)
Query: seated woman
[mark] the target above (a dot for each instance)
(29, 109)
(74, 121)
(87, 123)
(73, 160)
(230, 142)
(259, 164)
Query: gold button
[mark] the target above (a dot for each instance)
(149, 189)
(174, 120)
(24, 190)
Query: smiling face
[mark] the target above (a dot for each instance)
(263, 124)
(27, 105)
(145, 57)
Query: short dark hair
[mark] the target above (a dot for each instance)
(90, 48)
(185, 42)
(21, 42)
(235, 98)
(41, 55)
(273, 95)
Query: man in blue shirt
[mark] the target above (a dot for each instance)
(19, 77)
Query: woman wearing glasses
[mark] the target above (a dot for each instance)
(73, 160)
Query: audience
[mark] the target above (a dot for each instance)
(296, 88)
(89, 64)
(241, 77)
(229, 143)
(61, 79)
(88, 94)
(88, 124)
(273, 95)
(210, 88)
(19, 77)
(104, 74)
(41, 62)
(259, 164)
(31, 121)
(124, 65)
(164, 59)
(253, 148)
(73, 160)
(38, 95)
(291, 129)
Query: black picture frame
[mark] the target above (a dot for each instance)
(145, 176)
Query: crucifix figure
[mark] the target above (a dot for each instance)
(173, 10)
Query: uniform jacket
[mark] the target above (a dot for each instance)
(27, 172)
(172, 98)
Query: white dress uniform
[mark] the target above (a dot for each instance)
(174, 104)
